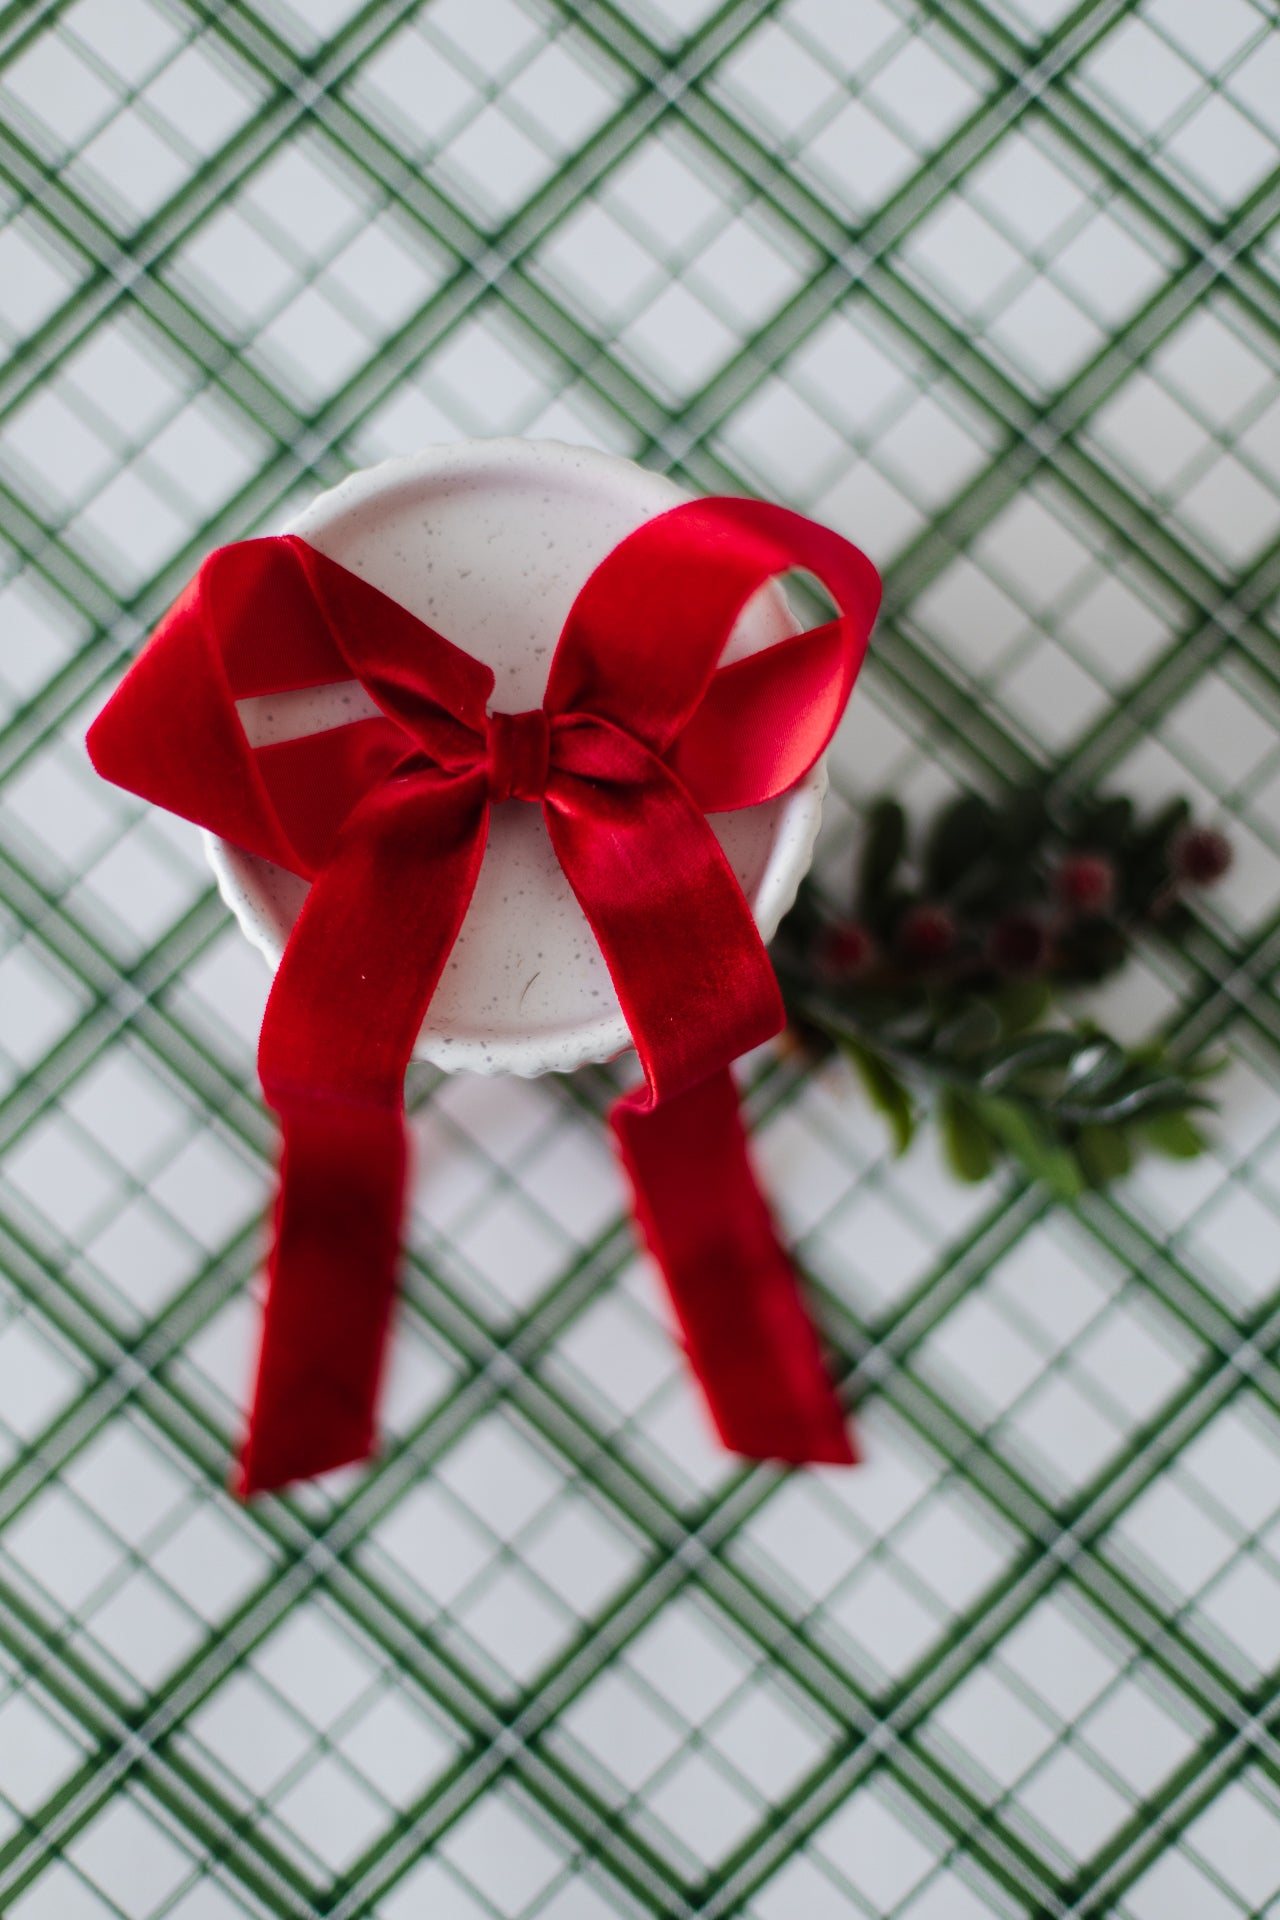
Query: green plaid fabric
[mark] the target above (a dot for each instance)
(995, 289)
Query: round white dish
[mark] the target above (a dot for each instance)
(489, 542)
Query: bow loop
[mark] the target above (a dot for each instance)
(417, 676)
(644, 636)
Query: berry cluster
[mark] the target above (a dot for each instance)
(947, 967)
(1006, 894)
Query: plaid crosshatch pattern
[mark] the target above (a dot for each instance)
(995, 289)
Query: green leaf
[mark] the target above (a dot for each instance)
(1164, 824)
(1098, 1067)
(1145, 867)
(1134, 1100)
(1023, 820)
(1091, 950)
(970, 1028)
(1026, 1137)
(1104, 1154)
(1175, 920)
(882, 848)
(885, 1091)
(968, 1147)
(1175, 1135)
(1021, 1004)
(1016, 1059)
(960, 835)
(1102, 824)
(1206, 1066)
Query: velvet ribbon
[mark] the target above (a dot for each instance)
(638, 738)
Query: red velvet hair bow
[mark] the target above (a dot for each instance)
(637, 739)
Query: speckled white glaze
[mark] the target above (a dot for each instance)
(489, 541)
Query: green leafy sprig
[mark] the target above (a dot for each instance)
(949, 973)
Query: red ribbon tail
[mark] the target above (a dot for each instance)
(331, 1289)
(360, 967)
(748, 1333)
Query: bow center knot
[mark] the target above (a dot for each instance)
(519, 754)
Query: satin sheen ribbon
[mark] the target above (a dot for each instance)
(638, 738)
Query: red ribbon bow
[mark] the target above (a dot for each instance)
(637, 739)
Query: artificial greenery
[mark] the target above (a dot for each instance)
(955, 966)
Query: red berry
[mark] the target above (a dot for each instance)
(1086, 881)
(926, 934)
(1200, 855)
(1019, 943)
(846, 951)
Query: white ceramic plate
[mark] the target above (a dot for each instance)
(489, 541)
